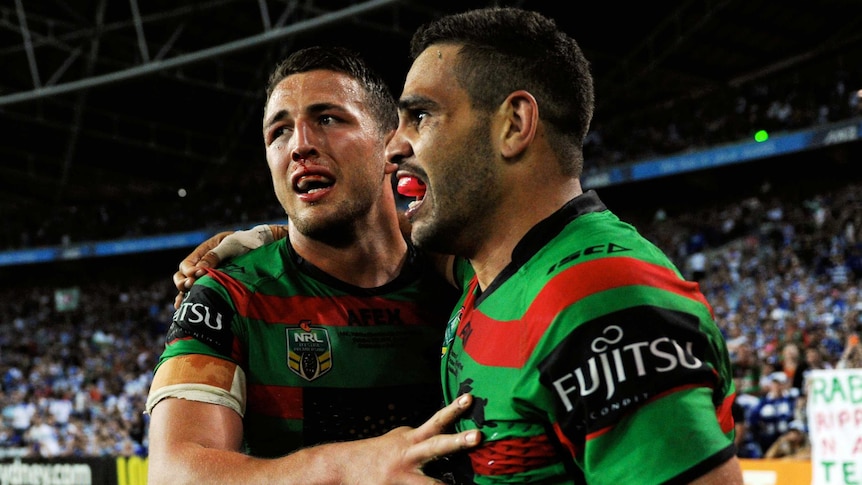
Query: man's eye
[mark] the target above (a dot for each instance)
(419, 116)
(327, 119)
(278, 132)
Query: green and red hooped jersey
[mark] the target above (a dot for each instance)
(324, 360)
(591, 360)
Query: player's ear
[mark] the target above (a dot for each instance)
(520, 118)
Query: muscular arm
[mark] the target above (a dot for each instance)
(194, 442)
(222, 246)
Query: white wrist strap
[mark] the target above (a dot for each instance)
(241, 242)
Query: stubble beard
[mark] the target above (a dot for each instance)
(460, 203)
(337, 228)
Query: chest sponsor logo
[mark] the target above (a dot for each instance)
(600, 376)
(309, 351)
(606, 368)
(366, 317)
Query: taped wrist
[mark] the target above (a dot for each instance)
(241, 242)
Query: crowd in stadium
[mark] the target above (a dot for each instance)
(74, 382)
(783, 277)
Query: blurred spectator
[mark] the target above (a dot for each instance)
(746, 369)
(772, 415)
(793, 444)
(696, 265)
(43, 437)
(851, 358)
(20, 414)
(814, 359)
(791, 362)
(746, 445)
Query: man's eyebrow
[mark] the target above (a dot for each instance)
(276, 117)
(313, 109)
(411, 102)
(321, 107)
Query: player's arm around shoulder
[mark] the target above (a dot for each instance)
(219, 248)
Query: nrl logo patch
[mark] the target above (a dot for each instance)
(309, 351)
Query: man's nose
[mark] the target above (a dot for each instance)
(397, 149)
(305, 141)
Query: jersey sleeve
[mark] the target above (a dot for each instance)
(201, 361)
(637, 378)
(591, 360)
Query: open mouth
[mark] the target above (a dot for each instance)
(310, 184)
(410, 186)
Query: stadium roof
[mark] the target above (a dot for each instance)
(103, 100)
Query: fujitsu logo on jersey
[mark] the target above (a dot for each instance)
(206, 316)
(197, 313)
(608, 366)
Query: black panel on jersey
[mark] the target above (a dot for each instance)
(206, 316)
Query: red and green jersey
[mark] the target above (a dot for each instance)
(591, 360)
(323, 360)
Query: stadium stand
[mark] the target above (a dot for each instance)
(775, 243)
(77, 357)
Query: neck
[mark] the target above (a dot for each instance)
(518, 213)
(373, 258)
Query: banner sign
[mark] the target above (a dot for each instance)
(74, 471)
(834, 411)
